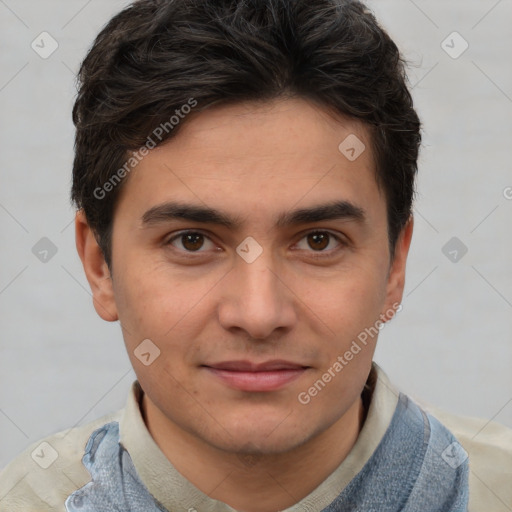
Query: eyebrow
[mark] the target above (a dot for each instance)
(165, 212)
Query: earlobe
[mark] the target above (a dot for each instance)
(96, 269)
(396, 277)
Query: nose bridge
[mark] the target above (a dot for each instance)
(258, 280)
(254, 263)
(256, 300)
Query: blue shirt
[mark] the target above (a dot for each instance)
(417, 467)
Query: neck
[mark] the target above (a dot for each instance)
(255, 482)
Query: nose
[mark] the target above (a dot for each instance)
(257, 300)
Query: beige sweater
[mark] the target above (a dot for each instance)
(47, 472)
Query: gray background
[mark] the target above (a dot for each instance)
(60, 365)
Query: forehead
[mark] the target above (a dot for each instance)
(257, 156)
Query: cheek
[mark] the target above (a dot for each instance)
(345, 303)
(351, 310)
(150, 304)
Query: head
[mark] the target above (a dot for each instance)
(244, 174)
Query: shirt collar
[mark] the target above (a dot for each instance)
(175, 492)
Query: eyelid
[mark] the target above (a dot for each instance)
(176, 235)
(341, 240)
(334, 234)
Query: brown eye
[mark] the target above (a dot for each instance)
(318, 241)
(192, 241)
(316, 244)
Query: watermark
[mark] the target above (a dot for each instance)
(249, 250)
(151, 142)
(507, 193)
(454, 45)
(44, 455)
(44, 45)
(44, 250)
(454, 249)
(146, 352)
(454, 455)
(369, 333)
(250, 456)
(352, 147)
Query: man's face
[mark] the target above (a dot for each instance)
(187, 276)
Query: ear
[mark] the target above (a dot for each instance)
(396, 276)
(96, 269)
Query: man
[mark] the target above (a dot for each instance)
(244, 173)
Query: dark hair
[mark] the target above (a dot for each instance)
(157, 56)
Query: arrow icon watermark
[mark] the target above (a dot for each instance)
(249, 249)
(44, 455)
(352, 147)
(44, 250)
(146, 352)
(455, 249)
(44, 45)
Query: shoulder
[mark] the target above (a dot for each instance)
(489, 447)
(49, 470)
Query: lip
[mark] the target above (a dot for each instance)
(249, 376)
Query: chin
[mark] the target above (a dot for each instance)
(255, 445)
(263, 437)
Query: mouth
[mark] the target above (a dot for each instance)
(248, 376)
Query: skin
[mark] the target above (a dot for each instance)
(299, 301)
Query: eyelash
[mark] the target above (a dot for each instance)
(313, 254)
